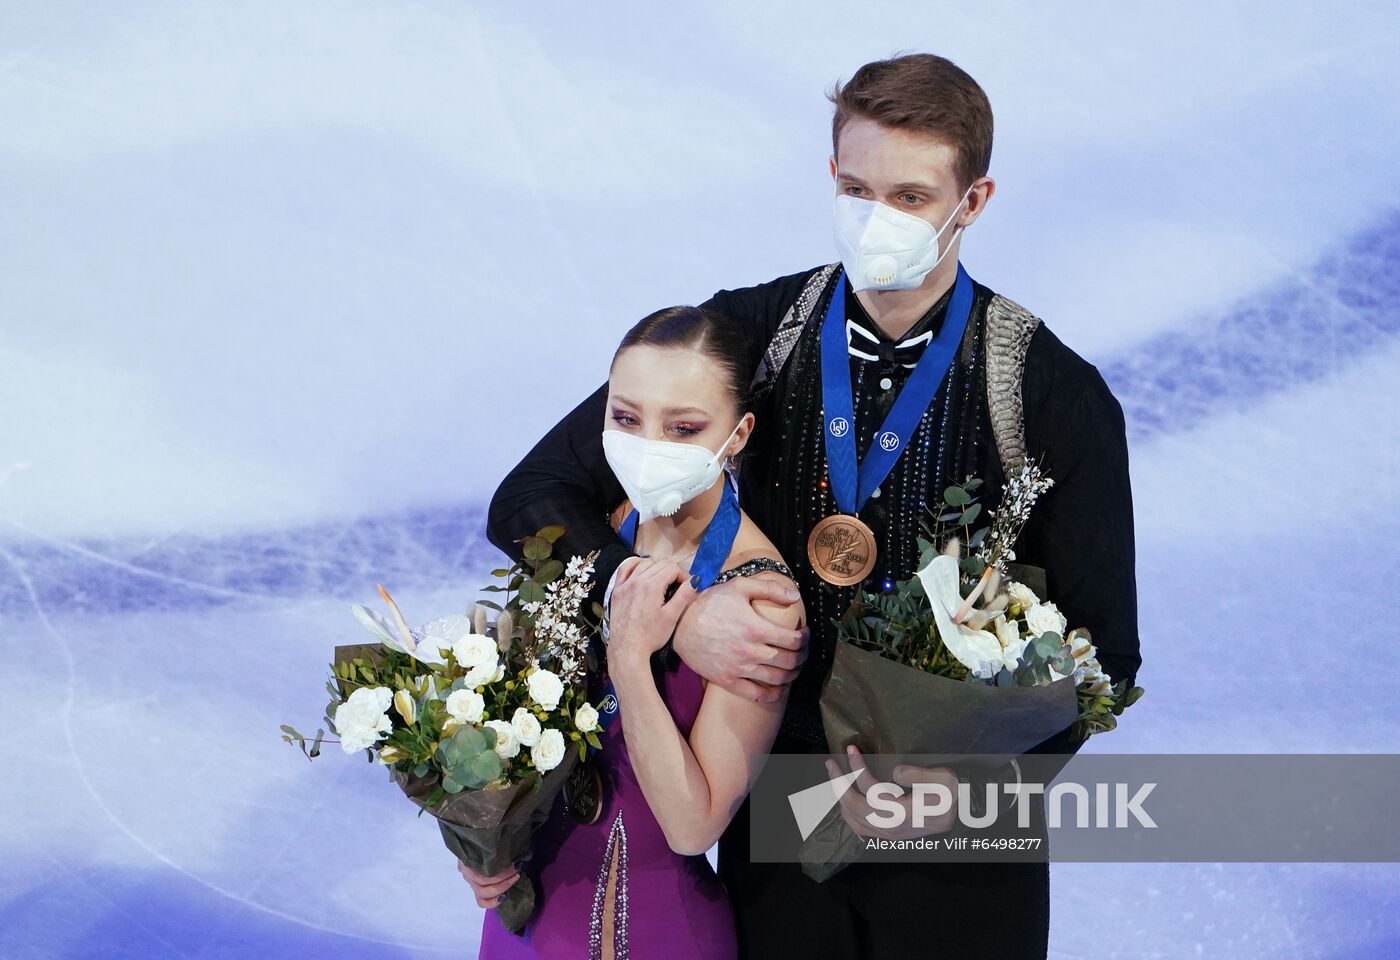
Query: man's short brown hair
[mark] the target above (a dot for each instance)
(921, 93)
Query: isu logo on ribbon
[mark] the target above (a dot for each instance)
(839, 426)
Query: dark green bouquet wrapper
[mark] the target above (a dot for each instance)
(489, 830)
(884, 707)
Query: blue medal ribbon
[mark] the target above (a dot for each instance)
(852, 483)
(705, 566)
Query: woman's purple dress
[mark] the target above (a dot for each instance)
(666, 905)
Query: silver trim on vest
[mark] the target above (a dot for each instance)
(1009, 330)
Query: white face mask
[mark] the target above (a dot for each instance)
(659, 475)
(887, 249)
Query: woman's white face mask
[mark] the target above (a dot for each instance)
(887, 249)
(660, 475)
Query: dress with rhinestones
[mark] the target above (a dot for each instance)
(664, 904)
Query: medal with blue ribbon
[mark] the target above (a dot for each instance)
(841, 548)
(583, 790)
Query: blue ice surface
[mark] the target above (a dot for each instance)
(243, 855)
(150, 809)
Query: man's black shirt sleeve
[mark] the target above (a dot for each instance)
(1081, 530)
(564, 479)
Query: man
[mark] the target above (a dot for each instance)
(911, 141)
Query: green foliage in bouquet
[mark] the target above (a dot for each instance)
(485, 699)
(900, 627)
(964, 617)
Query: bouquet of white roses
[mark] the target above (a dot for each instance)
(480, 716)
(963, 658)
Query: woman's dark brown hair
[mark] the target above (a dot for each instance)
(691, 328)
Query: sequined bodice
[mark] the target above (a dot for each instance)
(783, 482)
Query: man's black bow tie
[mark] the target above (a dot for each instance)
(868, 346)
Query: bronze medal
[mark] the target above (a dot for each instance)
(841, 549)
(583, 793)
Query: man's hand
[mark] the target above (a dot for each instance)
(856, 807)
(725, 640)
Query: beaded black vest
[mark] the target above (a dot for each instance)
(967, 430)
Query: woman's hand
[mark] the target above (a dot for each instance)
(641, 619)
(490, 891)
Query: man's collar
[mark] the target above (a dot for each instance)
(868, 342)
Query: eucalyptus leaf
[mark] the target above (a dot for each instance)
(1062, 660)
(486, 767)
(536, 548)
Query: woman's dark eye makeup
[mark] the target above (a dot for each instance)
(681, 428)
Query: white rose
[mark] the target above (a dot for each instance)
(465, 706)
(1021, 595)
(586, 718)
(473, 650)
(484, 673)
(545, 688)
(1044, 618)
(444, 632)
(506, 744)
(548, 753)
(526, 726)
(363, 719)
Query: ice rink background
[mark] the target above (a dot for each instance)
(285, 289)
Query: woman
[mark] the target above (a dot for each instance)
(675, 765)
